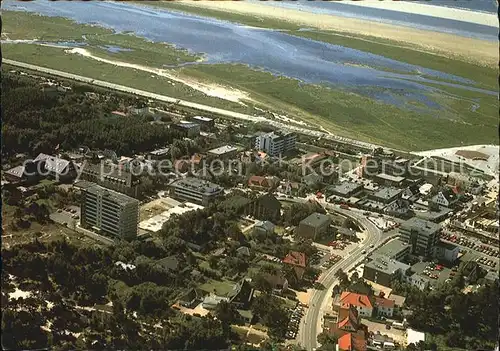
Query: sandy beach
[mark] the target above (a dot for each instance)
(214, 90)
(448, 45)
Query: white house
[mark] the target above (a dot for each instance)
(446, 198)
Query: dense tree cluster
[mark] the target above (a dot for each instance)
(36, 120)
(468, 320)
(66, 282)
(271, 311)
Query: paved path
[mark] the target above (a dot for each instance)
(312, 322)
(200, 107)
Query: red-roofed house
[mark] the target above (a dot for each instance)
(361, 302)
(348, 319)
(263, 183)
(298, 261)
(385, 307)
(351, 334)
(345, 342)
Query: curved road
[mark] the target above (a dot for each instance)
(311, 324)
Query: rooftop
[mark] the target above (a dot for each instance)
(202, 118)
(16, 171)
(391, 178)
(354, 299)
(387, 193)
(427, 215)
(414, 337)
(108, 171)
(160, 151)
(112, 195)
(198, 185)
(295, 258)
(346, 187)
(392, 248)
(223, 150)
(187, 125)
(52, 163)
(380, 301)
(422, 226)
(316, 220)
(386, 264)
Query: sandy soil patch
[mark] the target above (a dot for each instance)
(304, 296)
(470, 49)
(191, 311)
(214, 90)
(489, 166)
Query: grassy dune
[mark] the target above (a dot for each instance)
(465, 117)
(352, 115)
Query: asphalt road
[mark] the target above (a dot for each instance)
(200, 107)
(312, 321)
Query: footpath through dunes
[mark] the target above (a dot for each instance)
(468, 49)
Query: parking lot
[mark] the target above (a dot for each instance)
(68, 216)
(474, 244)
(296, 315)
(435, 271)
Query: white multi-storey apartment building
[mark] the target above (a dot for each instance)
(275, 143)
(195, 190)
(112, 213)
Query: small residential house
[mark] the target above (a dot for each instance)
(189, 299)
(243, 251)
(362, 303)
(277, 281)
(266, 207)
(262, 183)
(298, 261)
(242, 294)
(25, 173)
(384, 307)
(55, 167)
(264, 227)
(446, 197)
(351, 334)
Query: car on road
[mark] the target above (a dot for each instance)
(363, 252)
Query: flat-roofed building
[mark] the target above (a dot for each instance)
(384, 270)
(108, 211)
(195, 190)
(389, 180)
(386, 195)
(159, 154)
(275, 143)
(115, 177)
(225, 151)
(187, 129)
(314, 225)
(421, 235)
(446, 252)
(394, 249)
(204, 121)
(345, 189)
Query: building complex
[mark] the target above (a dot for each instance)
(108, 211)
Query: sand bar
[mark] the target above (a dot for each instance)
(476, 17)
(449, 45)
